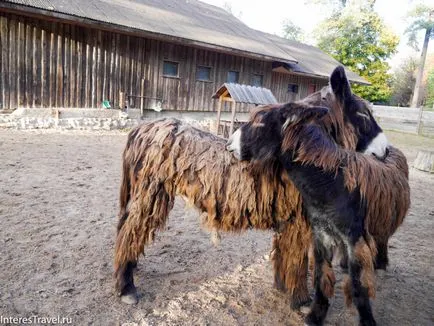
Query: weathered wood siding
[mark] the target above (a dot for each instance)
(280, 82)
(53, 64)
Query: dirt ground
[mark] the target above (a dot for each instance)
(58, 206)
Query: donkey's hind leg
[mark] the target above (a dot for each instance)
(362, 284)
(147, 214)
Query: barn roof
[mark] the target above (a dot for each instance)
(246, 94)
(185, 19)
(310, 60)
(190, 22)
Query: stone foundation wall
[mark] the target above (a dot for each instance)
(67, 124)
(97, 119)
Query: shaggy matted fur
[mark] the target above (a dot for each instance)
(166, 158)
(289, 251)
(290, 243)
(388, 196)
(337, 186)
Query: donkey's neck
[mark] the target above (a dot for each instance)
(314, 183)
(311, 145)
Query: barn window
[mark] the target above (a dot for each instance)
(311, 89)
(257, 80)
(293, 88)
(203, 73)
(170, 69)
(233, 76)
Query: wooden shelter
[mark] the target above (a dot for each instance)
(238, 93)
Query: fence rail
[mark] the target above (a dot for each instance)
(404, 119)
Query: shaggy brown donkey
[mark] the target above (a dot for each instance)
(166, 158)
(338, 187)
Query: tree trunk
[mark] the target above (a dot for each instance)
(415, 100)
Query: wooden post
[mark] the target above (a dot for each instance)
(219, 111)
(142, 94)
(231, 129)
(121, 100)
(419, 121)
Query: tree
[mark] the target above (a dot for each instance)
(357, 37)
(292, 31)
(421, 17)
(429, 97)
(403, 80)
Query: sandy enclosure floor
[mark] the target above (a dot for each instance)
(58, 206)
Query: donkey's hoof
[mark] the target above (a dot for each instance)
(130, 298)
(312, 320)
(368, 322)
(304, 310)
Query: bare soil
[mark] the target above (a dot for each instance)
(58, 207)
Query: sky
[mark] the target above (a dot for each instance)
(268, 16)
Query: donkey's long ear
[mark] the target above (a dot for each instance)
(339, 83)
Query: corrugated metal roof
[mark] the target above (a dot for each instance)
(200, 22)
(247, 94)
(310, 60)
(187, 19)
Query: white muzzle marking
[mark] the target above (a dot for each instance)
(378, 145)
(234, 144)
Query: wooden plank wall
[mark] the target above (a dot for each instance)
(280, 82)
(53, 64)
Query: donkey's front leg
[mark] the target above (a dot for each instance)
(382, 259)
(324, 281)
(124, 264)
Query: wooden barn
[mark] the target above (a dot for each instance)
(151, 54)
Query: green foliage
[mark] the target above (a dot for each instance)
(292, 31)
(358, 38)
(429, 97)
(421, 17)
(403, 81)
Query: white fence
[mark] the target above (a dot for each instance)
(404, 119)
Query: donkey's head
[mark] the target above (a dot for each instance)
(261, 138)
(357, 115)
